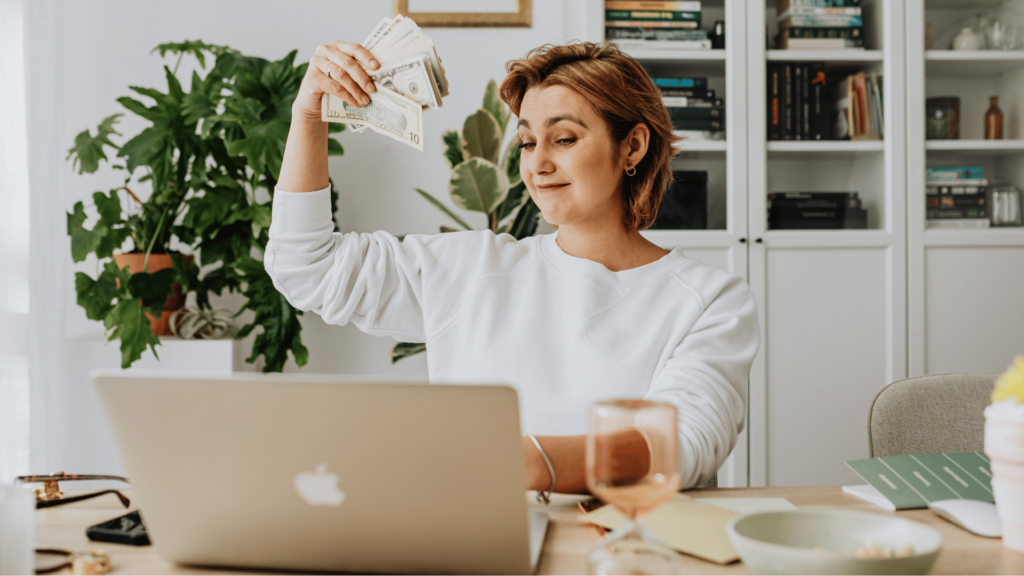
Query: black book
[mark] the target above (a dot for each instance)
(787, 99)
(844, 32)
(819, 102)
(812, 195)
(978, 212)
(695, 113)
(798, 102)
(805, 102)
(706, 125)
(853, 218)
(774, 125)
(955, 201)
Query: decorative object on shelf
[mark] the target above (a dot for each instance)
(212, 156)
(930, 42)
(451, 14)
(1006, 209)
(994, 120)
(191, 324)
(475, 158)
(718, 35)
(943, 118)
(684, 206)
(815, 211)
(967, 39)
(1001, 34)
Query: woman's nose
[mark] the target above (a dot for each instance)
(542, 160)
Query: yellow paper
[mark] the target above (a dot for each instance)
(683, 523)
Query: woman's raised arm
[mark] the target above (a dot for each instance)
(338, 68)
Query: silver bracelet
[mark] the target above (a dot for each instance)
(544, 497)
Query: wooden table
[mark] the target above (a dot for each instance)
(568, 540)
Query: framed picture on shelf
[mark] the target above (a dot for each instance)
(466, 13)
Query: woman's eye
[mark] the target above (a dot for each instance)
(526, 145)
(566, 141)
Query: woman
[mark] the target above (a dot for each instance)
(590, 312)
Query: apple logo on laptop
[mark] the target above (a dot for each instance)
(319, 488)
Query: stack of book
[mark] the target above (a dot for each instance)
(859, 110)
(819, 25)
(651, 24)
(815, 211)
(798, 105)
(956, 197)
(691, 105)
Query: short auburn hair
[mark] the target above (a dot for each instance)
(622, 93)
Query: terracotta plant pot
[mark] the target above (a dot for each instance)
(161, 326)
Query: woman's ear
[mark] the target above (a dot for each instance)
(634, 147)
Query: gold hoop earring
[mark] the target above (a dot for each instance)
(628, 168)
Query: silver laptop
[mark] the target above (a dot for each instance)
(326, 473)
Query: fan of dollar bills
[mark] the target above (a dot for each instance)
(410, 80)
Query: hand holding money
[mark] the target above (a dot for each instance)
(410, 78)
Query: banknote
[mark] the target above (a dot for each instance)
(410, 78)
(388, 113)
(425, 46)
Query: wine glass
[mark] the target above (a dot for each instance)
(633, 465)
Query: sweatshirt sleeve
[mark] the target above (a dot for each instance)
(706, 378)
(372, 280)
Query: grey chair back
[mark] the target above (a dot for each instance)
(929, 414)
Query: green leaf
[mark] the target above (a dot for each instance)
(153, 288)
(130, 325)
(109, 208)
(88, 150)
(83, 241)
(260, 215)
(447, 229)
(193, 47)
(527, 220)
(516, 197)
(279, 320)
(493, 104)
(188, 275)
(406, 349)
(334, 148)
(453, 151)
(437, 204)
(510, 161)
(481, 136)
(478, 185)
(96, 296)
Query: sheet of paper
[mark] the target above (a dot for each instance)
(750, 505)
(685, 524)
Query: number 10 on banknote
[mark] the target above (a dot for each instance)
(388, 113)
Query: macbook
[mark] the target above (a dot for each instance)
(325, 473)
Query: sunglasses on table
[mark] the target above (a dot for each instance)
(50, 495)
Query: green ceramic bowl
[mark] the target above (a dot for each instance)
(819, 541)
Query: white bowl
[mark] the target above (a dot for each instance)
(818, 541)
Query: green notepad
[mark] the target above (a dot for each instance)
(914, 481)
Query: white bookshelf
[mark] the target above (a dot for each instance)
(832, 302)
(962, 314)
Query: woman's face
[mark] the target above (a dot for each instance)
(569, 162)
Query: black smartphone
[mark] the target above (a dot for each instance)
(127, 529)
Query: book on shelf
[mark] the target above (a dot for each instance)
(660, 15)
(701, 124)
(694, 113)
(786, 43)
(844, 32)
(832, 20)
(947, 188)
(692, 102)
(668, 24)
(664, 44)
(815, 210)
(672, 82)
(955, 223)
(677, 5)
(698, 136)
(700, 93)
(684, 205)
(818, 11)
(949, 173)
(963, 212)
(797, 102)
(656, 35)
(859, 111)
(783, 5)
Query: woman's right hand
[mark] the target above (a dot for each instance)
(338, 68)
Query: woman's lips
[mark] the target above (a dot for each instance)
(551, 187)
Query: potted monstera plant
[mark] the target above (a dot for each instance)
(484, 179)
(211, 157)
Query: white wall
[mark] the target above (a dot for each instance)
(106, 48)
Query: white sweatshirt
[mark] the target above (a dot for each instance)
(563, 331)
